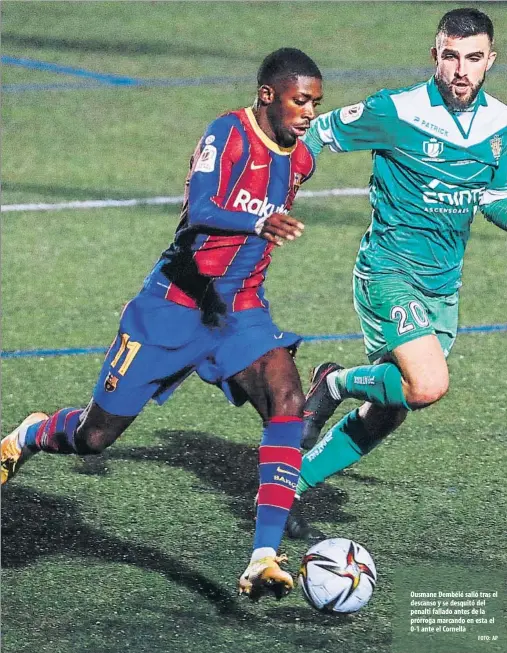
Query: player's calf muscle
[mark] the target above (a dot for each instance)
(99, 430)
(288, 400)
(426, 387)
(284, 386)
(425, 375)
(422, 394)
(93, 441)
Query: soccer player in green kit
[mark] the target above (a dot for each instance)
(439, 155)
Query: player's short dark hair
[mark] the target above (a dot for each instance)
(463, 22)
(286, 64)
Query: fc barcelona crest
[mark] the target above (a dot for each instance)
(496, 146)
(433, 148)
(110, 383)
(297, 182)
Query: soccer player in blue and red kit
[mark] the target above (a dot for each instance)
(202, 308)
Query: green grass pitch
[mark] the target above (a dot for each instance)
(139, 549)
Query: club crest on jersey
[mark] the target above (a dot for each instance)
(433, 148)
(496, 146)
(298, 178)
(110, 383)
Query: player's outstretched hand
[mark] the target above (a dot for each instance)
(280, 227)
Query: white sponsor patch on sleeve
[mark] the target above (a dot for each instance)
(351, 113)
(490, 196)
(207, 159)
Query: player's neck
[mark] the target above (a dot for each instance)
(261, 117)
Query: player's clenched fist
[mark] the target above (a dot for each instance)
(279, 227)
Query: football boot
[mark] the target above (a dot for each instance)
(319, 405)
(265, 576)
(297, 526)
(13, 455)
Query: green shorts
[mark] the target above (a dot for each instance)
(392, 312)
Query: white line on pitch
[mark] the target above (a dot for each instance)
(146, 201)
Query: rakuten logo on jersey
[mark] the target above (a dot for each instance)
(262, 208)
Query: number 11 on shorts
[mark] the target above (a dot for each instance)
(129, 346)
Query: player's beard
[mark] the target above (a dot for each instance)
(454, 103)
(283, 137)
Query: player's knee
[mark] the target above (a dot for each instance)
(425, 393)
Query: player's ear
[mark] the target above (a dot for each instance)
(266, 94)
(434, 54)
(491, 59)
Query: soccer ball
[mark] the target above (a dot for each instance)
(337, 575)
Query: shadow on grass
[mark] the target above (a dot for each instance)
(126, 48)
(304, 616)
(222, 466)
(36, 524)
(364, 479)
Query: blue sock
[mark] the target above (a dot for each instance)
(55, 434)
(279, 465)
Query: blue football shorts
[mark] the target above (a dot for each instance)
(160, 343)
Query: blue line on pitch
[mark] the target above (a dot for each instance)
(134, 83)
(42, 353)
(111, 78)
(99, 80)
(46, 66)
(333, 337)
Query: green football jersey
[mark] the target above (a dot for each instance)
(432, 170)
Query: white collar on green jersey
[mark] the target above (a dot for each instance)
(437, 100)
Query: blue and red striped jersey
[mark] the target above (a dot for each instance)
(237, 176)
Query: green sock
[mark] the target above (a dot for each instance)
(380, 384)
(336, 451)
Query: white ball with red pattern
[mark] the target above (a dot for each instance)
(337, 575)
